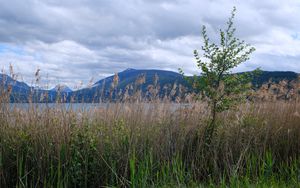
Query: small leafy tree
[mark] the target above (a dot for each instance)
(217, 84)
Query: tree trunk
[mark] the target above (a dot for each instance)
(210, 129)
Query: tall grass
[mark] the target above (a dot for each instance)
(149, 145)
(154, 143)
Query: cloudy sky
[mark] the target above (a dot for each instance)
(74, 41)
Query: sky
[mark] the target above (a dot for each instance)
(76, 42)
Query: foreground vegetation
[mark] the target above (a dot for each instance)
(150, 145)
(218, 142)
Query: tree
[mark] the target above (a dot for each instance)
(217, 83)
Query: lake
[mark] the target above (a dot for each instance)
(92, 106)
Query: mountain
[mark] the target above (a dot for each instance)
(166, 81)
(129, 76)
(130, 80)
(19, 90)
(274, 76)
(6, 80)
(62, 88)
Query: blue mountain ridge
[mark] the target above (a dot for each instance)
(21, 92)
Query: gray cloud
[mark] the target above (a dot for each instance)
(74, 40)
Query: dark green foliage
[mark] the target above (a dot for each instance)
(218, 86)
(222, 88)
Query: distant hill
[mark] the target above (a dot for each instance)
(62, 88)
(275, 76)
(128, 80)
(130, 75)
(20, 90)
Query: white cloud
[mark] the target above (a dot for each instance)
(75, 40)
(65, 61)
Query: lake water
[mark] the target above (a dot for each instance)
(90, 106)
(66, 106)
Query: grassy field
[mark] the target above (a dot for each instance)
(130, 145)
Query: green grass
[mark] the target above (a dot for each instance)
(128, 145)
